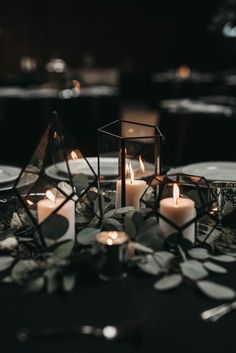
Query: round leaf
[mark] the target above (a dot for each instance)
(223, 258)
(87, 235)
(63, 250)
(35, 285)
(193, 269)
(214, 268)
(6, 262)
(216, 291)
(199, 254)
(150, 265)
(168, 282)
(68, 282)
(54, 226)
(112, 224)
(22, 269)
(163, 258)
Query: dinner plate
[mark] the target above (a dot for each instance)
(212, 170)
(8, 173)
(108, 167)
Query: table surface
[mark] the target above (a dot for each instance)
(173, 317)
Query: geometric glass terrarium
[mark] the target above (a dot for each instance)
(179, 201)
(129, 156)
(55, 182)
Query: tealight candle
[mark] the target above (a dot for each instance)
(47, 206)
(114, 245)
(179, 211)
(134, 190)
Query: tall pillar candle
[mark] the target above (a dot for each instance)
(134, 190)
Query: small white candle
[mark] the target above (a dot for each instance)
(48, 205)
(179, 211)
(134, 190)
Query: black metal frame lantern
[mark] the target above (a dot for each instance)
(193, 190)
(56, 180)
(129, 153)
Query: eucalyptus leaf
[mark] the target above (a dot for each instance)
(168, 282)
(163, 258)
(140, 248)
(199, 253)
(35, 285)
(124, 210)
(52, 282)
(214, 268)
(63, 250)
(68, 282)
(149, 265)
(21, 270)
(223, 258)
(216, 291)
(54, 226)
(112, 224)
(129, 224)
(99, 205)
(80, 182)
(87, 235)
(193, 269)
(109, 214)
(6, 262)
(147, 234)
(7, 279)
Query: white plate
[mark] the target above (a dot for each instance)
(8, 173)
(108, 166)
(225, 171)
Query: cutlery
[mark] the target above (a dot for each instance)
(217, 312)
(108, 332)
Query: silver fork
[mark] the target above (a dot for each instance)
(217, 312)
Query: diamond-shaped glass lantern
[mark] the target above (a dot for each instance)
(129, 157)
(179, 201)
(55, 182)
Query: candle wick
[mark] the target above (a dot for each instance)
(176, 201)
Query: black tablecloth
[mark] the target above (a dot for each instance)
(173, 317)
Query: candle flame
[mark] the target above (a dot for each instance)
(131, 173)
(74, 155)
(142, 166)
(183, 71)
(30, 203)
(113, 235)
(50, 196)
(126, 168)
(176, 194)
(109, 241)
(76, 85)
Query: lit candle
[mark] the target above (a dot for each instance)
(134, 190)
(48, 205)
(114, 245)
(179, 211)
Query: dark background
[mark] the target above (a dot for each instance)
(137, 38)
(153, 35)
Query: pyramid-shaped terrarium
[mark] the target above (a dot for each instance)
(56, 185)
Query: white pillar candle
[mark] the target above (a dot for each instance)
(48, 205)
(134, 190)
(179, 211)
